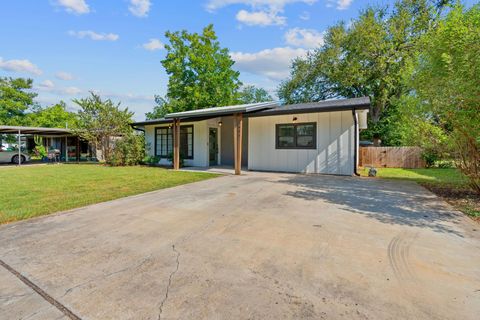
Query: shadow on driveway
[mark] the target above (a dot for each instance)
(390, 202)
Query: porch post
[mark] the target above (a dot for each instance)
(176, 144)
(66, 149)
(77, 153)
(237, 142)
(19, 148)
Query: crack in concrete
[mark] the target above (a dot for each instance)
(104, 276)
(169, 282)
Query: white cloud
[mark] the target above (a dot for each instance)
(71, 91)
(278, 5)
(263, 13)
(74, 6)
(139, 8)
(307, 38)
(49, 87)
(47, 84)
(339, 4)
(271, 63)
(260, 18)
(94, 35)
(305, 16)
(153, 44)
(24, 66)
(64, 76)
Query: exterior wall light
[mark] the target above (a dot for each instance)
(220, 123)
(294, 120)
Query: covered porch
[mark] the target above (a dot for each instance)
(206, 139)
(62, 142)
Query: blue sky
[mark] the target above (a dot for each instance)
(114, 47)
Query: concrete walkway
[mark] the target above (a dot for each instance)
(258, 246)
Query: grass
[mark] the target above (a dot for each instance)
(447, 183)
(32, 191)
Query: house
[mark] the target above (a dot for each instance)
(319, 137)
(69, 145)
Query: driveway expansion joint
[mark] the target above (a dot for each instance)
(67, 312)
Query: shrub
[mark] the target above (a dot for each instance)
(128, 150)
(151, 160)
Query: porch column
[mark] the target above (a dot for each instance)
(77, 154)
(176, 144)
(237, 141)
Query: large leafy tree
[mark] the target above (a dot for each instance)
(446, 85)
(200, 71)
(366, 58)
(252, 94)
(100, 122)
(15, 100)
(56, 116)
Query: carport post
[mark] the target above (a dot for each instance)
(19, 148)
(66, 149)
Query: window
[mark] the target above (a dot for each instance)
(296, 136)
(164, 141)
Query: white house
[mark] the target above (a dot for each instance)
(319, 137)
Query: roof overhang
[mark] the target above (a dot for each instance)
(314, 107)
(223, 111)
(263, 109)
(34, 130)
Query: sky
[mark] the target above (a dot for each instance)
(114, 47)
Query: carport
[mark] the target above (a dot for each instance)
(40, 131)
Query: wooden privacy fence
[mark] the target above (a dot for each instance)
(391, 157)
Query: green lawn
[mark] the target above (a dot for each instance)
(32, 191)
(447, 183)
(443, 177)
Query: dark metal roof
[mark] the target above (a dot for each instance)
(321, 106)
(223, 111)
(266, 110)
(154, 121)
(34, 130)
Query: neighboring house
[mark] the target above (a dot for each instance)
(70, 146)
(320, 137)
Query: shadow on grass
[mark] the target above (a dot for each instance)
(389, 202)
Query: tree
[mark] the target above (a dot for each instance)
(15, 100)
(160, 110)
(366, 58)
(55, 116)
(200, 72)
(100, 122)
(252, 94)
(446, 83)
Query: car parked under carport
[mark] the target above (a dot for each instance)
(11, 155)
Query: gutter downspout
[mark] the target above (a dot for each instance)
(355, 147)
(138, 129)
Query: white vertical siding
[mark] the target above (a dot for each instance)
(335, 144)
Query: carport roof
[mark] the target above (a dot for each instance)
(33, 130)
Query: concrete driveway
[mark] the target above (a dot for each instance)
(259, 246)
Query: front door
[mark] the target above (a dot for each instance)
(213, 146)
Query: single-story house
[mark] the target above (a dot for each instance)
(319, 137)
